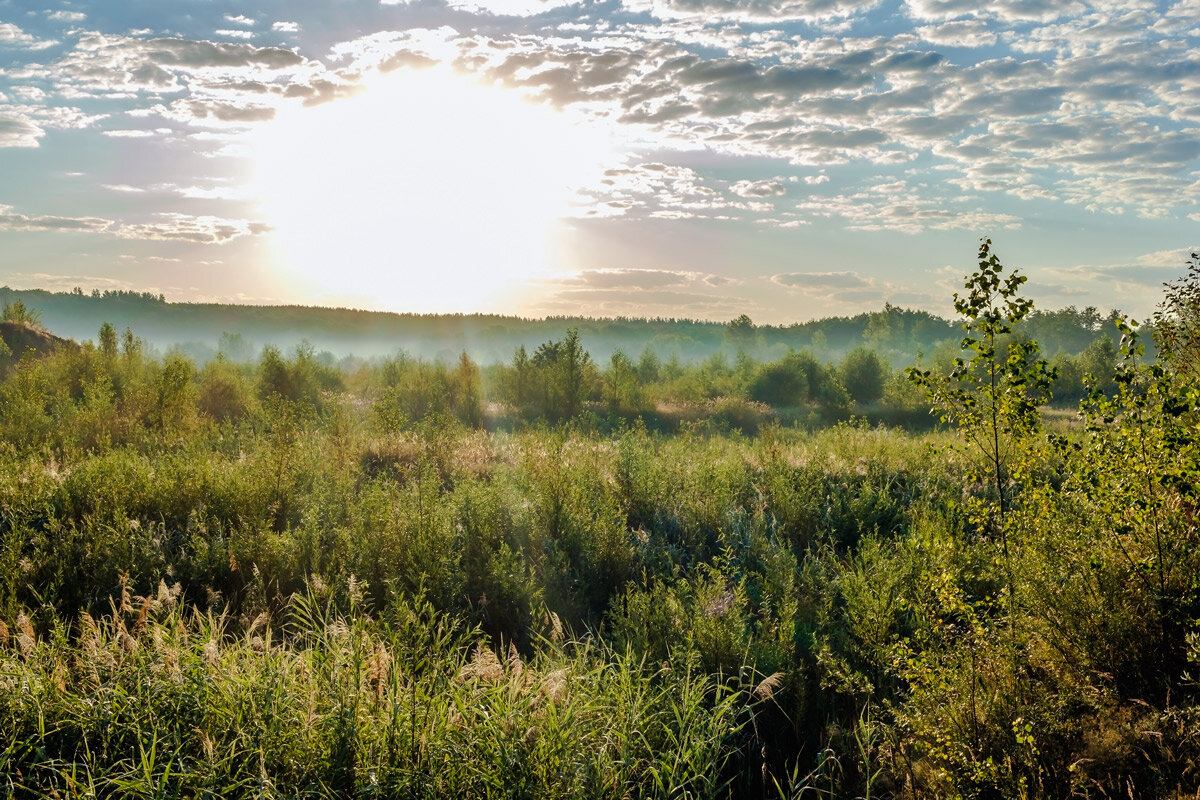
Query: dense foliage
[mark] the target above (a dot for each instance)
(638, 578)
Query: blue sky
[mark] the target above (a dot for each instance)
(787, 159)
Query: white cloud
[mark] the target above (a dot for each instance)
(194, 82)
(657, 190)
(285, 27)
(960, 33)
(165, 227)
(754, 10)
(641, 279)
(829, 101)
(10, 220)
(773, 187)
(499, 8)
(821, 280)
(19, 131)
(510, 8)
(113, 62)
(13, 36)
(1166, 258)
(240, 19)
(182, 227)
(129, 134)
(896, 207)
(67, 16)
(386, 48)
(1007, 10)
(218, 112)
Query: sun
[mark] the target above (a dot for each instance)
(427, 192)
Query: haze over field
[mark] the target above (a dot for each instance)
(786, 159)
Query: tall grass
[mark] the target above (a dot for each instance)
(327, 699)
(232, 592)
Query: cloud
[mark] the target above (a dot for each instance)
(387, 49)
(680, 304)
(821, 280)
(509, 8)
(655, 189)
(817, 106)
(17, 131)
(45, 280)
(9, 220)
(834, 101)
(131, 133)
(285, 27)
(1177, 258)
(842, 291)
(103, 65)
(240, 19)
(937, 128)
(773, 187)
(1007, 10)
(166, 227)
(67, 16)
(182, 227)
(12, 36)
(642, 279)
(187, 54)
(190, 81)
(214, 111)
(498, 8)
(1134, 285)
(204, 192)
(753, 10)
(641, 292)
(630, 278)
(895, 206)
(961, 33)
(826, 100)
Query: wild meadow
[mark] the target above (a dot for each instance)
(294, 577)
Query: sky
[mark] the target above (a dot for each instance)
(784, 159)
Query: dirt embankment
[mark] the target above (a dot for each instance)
(21, 341)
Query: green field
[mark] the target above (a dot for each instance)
(744, 577)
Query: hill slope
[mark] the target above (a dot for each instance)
(21, 341)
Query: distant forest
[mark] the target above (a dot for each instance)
(240, 332)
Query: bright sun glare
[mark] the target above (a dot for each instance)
(426, 192)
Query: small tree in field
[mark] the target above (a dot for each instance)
(1177, 322)
(562, 373)
(993, 392)
(864, 375)
(108, 340)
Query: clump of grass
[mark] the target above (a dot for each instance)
(327, 699)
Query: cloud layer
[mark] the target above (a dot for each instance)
(773, 122)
